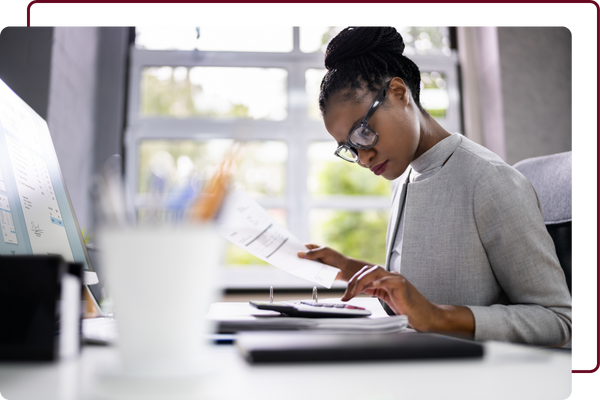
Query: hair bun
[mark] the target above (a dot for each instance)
(355, 42)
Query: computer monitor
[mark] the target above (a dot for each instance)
(36, 214)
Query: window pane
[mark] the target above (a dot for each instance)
(313, 78)
(357, 234)
(330, 175)
(418, 40)
(214, 92)
(175, 169)
(261, 168)
(425, 40)
(316, 38)
(216, 38)
(165, 165)
(434, 96)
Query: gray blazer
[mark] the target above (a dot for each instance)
(474, 236)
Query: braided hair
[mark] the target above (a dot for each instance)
(367, 57)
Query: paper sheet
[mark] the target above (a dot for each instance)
(234, 317)
(246, 224)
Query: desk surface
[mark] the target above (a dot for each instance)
(506, 372)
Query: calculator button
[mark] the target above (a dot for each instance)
(340, 306)
(327, 305)
(317, 305)
(354, 307)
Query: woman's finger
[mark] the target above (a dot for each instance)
(362, 279)
(311, 246)
(391, 285)
(389, 281)
(400, 294)
(314, 252)
(350, 288)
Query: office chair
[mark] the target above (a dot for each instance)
(552, 179)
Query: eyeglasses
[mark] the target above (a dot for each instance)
(362, 137)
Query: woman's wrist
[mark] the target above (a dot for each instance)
(352, 266)
(453, 319)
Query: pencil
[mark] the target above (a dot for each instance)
(210, 200)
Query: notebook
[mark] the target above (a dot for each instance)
(281, 347)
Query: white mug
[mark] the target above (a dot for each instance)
(162, 282)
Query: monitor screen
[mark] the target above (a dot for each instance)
(36, 215)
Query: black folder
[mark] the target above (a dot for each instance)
(278, 347)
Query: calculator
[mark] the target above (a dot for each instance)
(312, 309)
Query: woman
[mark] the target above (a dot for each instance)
(468, 252)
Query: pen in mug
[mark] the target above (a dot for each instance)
(210, 200)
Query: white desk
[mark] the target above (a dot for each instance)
(506, 372)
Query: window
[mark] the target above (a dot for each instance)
(195, 90)
(214, 92)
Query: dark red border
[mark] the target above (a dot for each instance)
(595, 368)
(576, 371)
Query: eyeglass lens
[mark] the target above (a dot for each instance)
(347, 154)
(363, 136)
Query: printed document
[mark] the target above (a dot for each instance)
(246, 224)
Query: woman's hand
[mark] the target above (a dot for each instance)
(326, 255)
(405, 299)
(397, 292)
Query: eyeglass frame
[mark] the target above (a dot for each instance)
(351, 146)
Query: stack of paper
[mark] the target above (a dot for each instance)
(235, 317)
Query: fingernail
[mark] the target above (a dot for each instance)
(302, 255)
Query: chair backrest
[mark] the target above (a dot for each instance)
(551, 177)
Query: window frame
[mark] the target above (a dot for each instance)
(297, 131)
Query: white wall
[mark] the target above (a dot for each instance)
(535, 64)
(71, 111)
(113, 48)
(516, 86)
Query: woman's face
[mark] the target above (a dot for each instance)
(396, 122)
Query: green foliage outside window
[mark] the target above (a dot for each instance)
(236, 256)
(338, 177)
(357, 234)
(173, 95)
